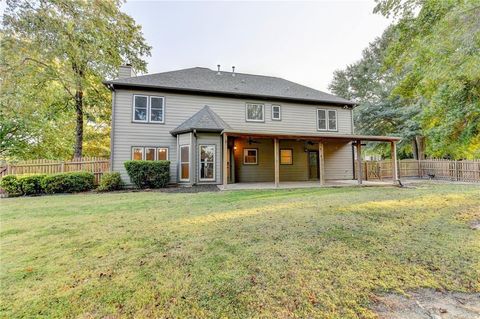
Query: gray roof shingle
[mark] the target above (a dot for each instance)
(205, 120)
(209, 81)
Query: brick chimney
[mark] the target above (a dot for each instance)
(125, 71)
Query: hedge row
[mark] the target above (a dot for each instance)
(47, 184)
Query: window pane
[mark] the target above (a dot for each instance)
(137, 153)
(207, 152)
(255, 112)
(156, 115)
(206, 170)
(150, 154)
(140, 114)
(185, 171)
(250, 156)
(162, 154)
(184, 154)
(332, 120)
(156, 109)
(276, 112)
(286, 157)
(322, 119)
(140, 103)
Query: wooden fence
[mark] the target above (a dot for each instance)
(465, 171)
(95, 165)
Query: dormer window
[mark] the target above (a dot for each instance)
(276, 113)
(255, 112)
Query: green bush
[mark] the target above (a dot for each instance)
(68, 182)
(110, 182)
(148, 174)
(31, 184)
(11, 185)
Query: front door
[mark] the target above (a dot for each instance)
(313, 165)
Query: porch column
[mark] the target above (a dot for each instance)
(224, 157)
(321, 161)
(277, 161)
(359, 162)
(393, 155)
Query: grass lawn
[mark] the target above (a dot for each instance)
(301, 253)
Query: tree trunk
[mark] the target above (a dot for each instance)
(415, 149)
(420, 140)
(79, 127)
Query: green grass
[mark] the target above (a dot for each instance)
(274, 254)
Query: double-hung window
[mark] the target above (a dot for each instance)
(148, 109)
(207, 162)
(250, 156)
(326, 120)
(286, 156)
(254, 112)
(276, 113)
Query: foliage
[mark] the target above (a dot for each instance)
(68, 182)
(110, 181)
(11, 185)
(31, 184)
(238, 254)
(59, 52)
(429, 67)
(148, 174)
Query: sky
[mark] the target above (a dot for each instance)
(304, 42)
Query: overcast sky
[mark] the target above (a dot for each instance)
(301, 41)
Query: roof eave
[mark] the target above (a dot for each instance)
(226, 93)
(198, 130)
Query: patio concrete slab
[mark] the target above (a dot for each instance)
(306, 184)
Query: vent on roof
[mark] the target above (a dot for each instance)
(218, 69)
(233, 70)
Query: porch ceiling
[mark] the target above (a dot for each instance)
(315, 136)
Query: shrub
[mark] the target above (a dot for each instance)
(31, 184)
(68, 182)
(148, 174)
(110, 182)
(11, 185)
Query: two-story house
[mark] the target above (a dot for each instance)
(222, 127)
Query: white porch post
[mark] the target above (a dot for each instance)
(277, 161)
(224, 157)
(359, 162)
(321, 161)
(393, 155)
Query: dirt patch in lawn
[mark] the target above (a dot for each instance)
(428, 304)
(475, 224)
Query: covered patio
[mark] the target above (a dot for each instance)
(270, 173)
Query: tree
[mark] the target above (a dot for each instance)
(74, 45)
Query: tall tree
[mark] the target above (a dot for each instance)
(75, 44)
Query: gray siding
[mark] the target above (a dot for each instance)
(298, 118)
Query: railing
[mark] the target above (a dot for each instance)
(465, 171)
(95, 165)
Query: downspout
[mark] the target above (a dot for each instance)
(112, 128)
(194, 157)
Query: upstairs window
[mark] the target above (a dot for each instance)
(276, 113)
(148, 109)
(255, 112)
(326, 120)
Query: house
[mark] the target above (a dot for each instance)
(218, 127)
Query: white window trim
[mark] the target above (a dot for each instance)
(149, 104)
(200, 163)
(133, 108)
(279, 112)
(263, 113)
(327, 124)
(150, 109)
(143, 152)
(245, 150)
(156, 153)
(189, 164)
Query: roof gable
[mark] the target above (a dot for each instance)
(205, 120)
(205, 80)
